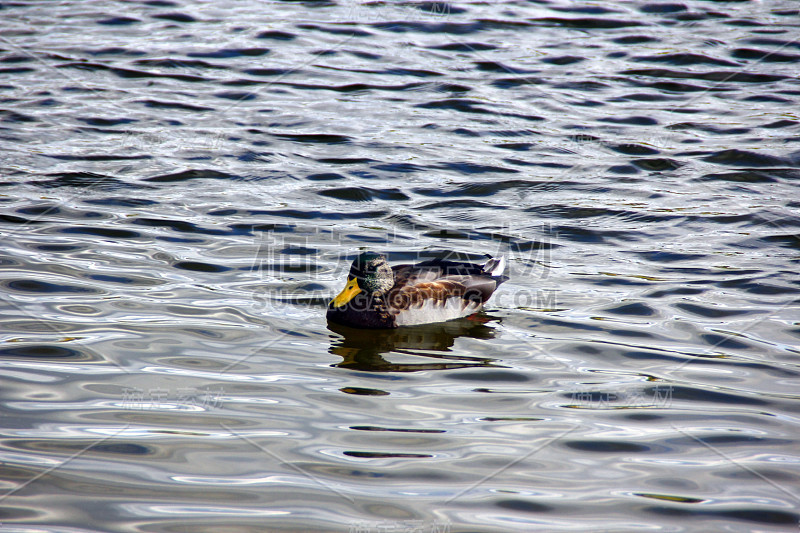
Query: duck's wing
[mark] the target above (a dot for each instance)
(480, 279)
(405, 275)
(430, 301)
(436, 291)
(415, 294)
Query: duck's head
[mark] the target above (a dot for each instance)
(370, 273)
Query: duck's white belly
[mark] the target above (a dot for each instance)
(433, 311)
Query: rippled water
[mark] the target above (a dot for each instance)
(185, 184)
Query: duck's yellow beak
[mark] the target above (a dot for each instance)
(350, 291)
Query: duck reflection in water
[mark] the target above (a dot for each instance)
(363, 349)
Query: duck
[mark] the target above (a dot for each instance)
(380, 296)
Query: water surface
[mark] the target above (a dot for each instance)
(184, 185)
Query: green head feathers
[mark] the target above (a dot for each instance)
(373, 273)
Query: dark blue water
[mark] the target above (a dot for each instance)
(184, 184)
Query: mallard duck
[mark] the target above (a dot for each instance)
(380, 296)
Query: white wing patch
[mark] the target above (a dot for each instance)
(433, 311)
(495, 266)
